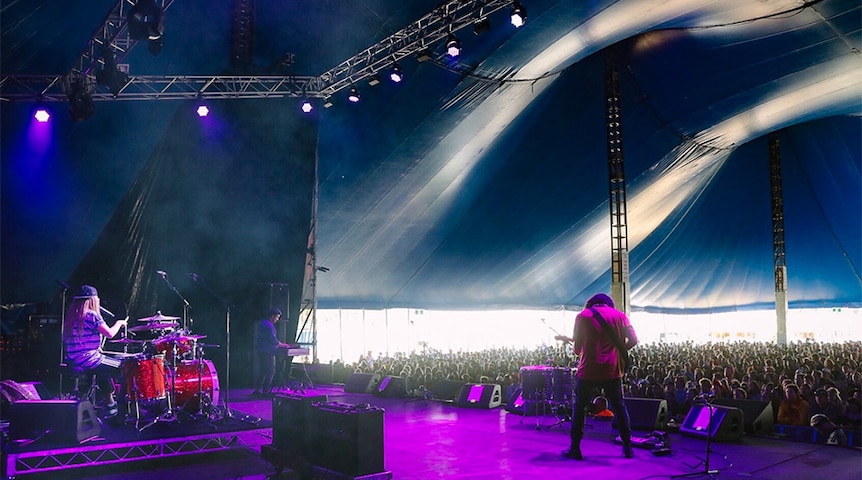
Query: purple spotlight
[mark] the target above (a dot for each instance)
(203, 111)
(307, 107)
(42, 115)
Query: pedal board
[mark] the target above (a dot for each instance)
(658, 443)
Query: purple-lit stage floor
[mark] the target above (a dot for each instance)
(437, 440)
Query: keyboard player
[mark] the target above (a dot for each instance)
(266, 346)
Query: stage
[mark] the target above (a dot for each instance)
(426, 438)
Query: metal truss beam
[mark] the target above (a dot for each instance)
(168, 87)
(418, 36)
(92, 455)
(114, 33)
(432, 27)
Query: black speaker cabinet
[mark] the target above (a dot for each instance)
(447, 390)
(316, 372)
(480, 395)
(757, 416)
(392, 387)
(347, 439)
(722, 424)
(645, 413)
(518, 404)
(53, 420)
(362, 383)
(291, 414)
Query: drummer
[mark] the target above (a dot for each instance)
(83, 331)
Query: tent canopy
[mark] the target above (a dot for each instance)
(481, 181)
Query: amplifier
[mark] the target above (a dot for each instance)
(291, 414)
(347, 438)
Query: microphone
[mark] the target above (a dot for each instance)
(107, 311)
(193, 276)
(162, 273)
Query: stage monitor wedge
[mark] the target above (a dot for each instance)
(57, 420)
(392, 387)
(722, 424)
(362, 383)
(645, 413)
(757, 415)
(480, 395)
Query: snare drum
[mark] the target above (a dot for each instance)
(186, 383)
(145, 377)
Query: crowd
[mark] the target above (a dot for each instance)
(806, 382)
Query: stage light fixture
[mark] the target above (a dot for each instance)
(373, 80)
(481, 26)
(453, 46)
(111, 76)
(146, 21)
(353, 95)
(42, 115)
(396, 75)
(307, 106)
(203, 111)
(519, 15)
(423, 55)
(327, 102)
(80, 96)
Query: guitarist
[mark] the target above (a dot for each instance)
(599, 334)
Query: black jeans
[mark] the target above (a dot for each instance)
(266, 361)
(614, 393)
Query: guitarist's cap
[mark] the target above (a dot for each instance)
(600, 299)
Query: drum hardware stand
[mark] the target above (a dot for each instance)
(558, 404)
(540, 398)
(204, 400)
(169, 416)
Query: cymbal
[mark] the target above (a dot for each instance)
(126, 340)
(154, 326)
(158, 317)
(193, 337)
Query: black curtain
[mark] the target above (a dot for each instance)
(224, 208)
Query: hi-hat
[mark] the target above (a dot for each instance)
(154, 326)
(158, 317)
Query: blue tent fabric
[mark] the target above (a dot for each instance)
(481, 182)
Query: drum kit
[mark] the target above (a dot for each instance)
(549, 387)
(168, 374)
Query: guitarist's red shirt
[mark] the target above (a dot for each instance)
(598, 354)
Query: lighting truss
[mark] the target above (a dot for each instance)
(114, 33)
(449, 17)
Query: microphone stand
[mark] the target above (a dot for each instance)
(227, 305)
(706, 471)
(186, 305)
(62, 333)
